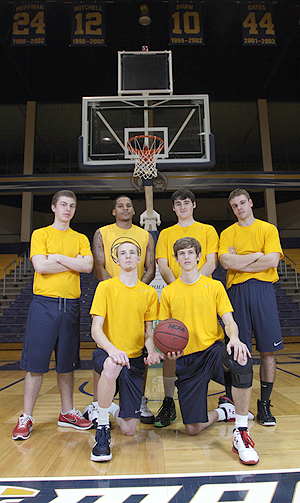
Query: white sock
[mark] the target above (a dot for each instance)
(95, 403)
(221, 413)
(241, 421)
(68, 411)
(169, 386)
(26, 415)
(114, 408)
(103, 416)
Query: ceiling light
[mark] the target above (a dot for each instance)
(144, 18)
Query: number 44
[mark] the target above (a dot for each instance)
(265, 23)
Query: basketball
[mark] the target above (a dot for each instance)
(170, 335)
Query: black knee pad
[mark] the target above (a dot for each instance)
(242, 375)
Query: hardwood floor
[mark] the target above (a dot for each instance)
(55, 451)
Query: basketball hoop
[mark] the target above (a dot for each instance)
(145, 150)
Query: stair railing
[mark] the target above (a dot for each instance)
(26, 268)
(285, 270)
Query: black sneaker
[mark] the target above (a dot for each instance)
(101, 449)
(264, 415)
(166, 413)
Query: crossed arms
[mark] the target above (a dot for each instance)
(251, 262)
(56, 263)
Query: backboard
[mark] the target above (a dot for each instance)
(145, 71)
(183, 122)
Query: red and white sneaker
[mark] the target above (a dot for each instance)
(74, 419)
(229, 410)
(243, 445)
(224, 400)
(23, 428)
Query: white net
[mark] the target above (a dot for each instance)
(145, 150)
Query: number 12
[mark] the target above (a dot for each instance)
(91, 19)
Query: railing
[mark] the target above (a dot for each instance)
(285, 270)
(24, 265)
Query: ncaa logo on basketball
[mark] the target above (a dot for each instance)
(176, 327)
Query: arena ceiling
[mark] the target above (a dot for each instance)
(232, 74)
(222, 68)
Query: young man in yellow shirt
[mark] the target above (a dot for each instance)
(196, 301)
(106, 240)
(123, 310)
(59, 255)
(250, 250)
(184, 203)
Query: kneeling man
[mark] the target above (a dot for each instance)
(196, 301)
(123, 310)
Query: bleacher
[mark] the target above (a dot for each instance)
(5, 260)
(13, 319)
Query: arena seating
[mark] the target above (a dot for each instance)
(13, 320)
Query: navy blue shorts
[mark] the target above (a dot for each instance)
(52, 324)
(193, 373)
(255, 311)
(129, 384)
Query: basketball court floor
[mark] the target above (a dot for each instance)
(155, 465)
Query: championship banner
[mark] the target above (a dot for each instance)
(88, 27)
(29, 25)
(258, 24)
(185, 24)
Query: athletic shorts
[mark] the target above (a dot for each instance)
(193, 373)
(129, 384)
(52, 324)
(255, 312)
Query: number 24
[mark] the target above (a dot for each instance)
(22, 19)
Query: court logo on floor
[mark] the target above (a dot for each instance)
(262, 487)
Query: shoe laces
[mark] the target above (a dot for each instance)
(165, 409)
(266, 407)
(23, 420)
(102, 435)
(75, 412)
(246, 439)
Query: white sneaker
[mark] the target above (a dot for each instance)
(229, 410)
(91, 413)
(146, 415)
(243, 445)
(224, 399)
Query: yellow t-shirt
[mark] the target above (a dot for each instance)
(197, 306)
(125, 309)
(205, 234)
(258, 237)
(113, 235)
(47, 240)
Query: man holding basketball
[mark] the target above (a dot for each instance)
(184, 203)
(104, 242)
(196, 301)
(250, 250)
(123, 309)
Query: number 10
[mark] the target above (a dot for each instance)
(189, 19)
